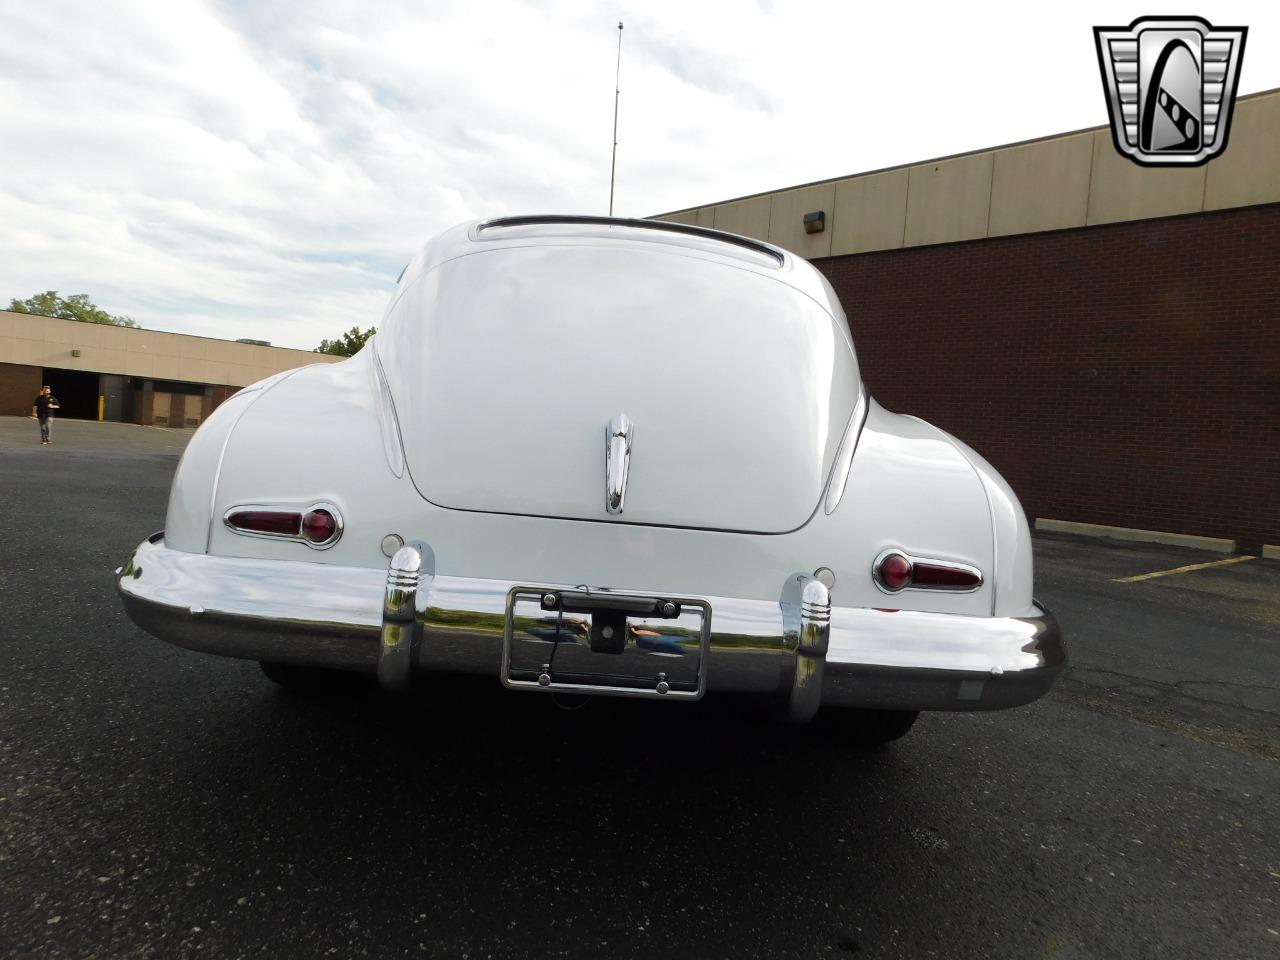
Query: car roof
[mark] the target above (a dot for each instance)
(481, 236)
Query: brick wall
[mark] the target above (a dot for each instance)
(19, 384)
(1125, 375)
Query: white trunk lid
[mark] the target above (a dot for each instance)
(506, 367)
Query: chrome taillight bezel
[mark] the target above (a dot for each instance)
(917, 562)
(301, 509)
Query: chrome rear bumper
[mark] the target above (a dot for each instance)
(798, 649)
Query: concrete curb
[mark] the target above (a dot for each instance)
(1271, 551)
(1214, 544)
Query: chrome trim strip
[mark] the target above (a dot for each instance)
(388, 421)
(617, 456)
(329, 615)
(844, 453)
(929, 561)
(286, 507)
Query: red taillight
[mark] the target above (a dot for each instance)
(948, 578)
(319, 526)
(893, 571)
(281, 524)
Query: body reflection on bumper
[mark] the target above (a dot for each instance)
(345, 617)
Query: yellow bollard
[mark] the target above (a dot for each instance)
(102, 406)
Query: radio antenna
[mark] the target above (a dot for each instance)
(613, 166)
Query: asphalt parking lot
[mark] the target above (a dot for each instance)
(160, 803)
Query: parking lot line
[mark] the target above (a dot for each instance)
(1187, 569)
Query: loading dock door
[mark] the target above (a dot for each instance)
(77, 392)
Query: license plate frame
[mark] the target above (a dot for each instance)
(617, 602)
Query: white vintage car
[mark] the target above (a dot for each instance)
(603, 456)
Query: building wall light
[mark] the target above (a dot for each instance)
(815, 222)
(75, 351)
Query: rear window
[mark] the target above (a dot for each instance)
(657, 231)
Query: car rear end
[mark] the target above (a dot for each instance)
(781, 534)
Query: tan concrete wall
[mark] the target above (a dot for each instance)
(747, 217)
(786, 220)
(1019, 201)
(1122, 190)
(948, 200)
(870, 213)
(1248, 172)
(49, 342)
(689, 217)
(1071, 180)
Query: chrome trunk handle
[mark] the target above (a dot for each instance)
(617, 454)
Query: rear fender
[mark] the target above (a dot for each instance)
(1013, 565)
(191, 497)
(909, 488)
(317, 437)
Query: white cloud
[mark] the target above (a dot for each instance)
(264, 170)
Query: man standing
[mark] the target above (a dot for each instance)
(42, 410)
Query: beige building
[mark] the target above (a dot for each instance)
(1056, 183)
(122, 373)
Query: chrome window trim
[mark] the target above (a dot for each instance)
(300, 509)
(662, 226)
(931, 561)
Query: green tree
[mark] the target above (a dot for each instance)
(348, 344)
(76, 307)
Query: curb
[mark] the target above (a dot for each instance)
(1214, 544)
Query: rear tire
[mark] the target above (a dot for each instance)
(870, 728)
(304, 680)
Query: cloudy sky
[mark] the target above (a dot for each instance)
(264, 169)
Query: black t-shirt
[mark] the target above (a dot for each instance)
(42, 405)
